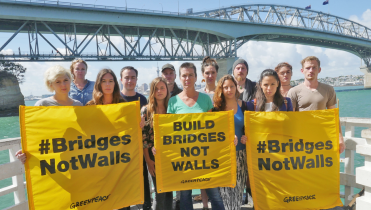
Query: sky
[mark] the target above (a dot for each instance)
(260, 55)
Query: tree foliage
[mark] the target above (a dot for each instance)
(15, 69)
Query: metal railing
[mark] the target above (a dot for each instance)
(15, 169)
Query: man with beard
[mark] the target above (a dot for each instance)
(246, 87)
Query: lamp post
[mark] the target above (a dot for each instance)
(162, 8)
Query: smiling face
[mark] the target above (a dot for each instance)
(188, 77)
(107, 84)
(240, 72)
(61, 85)
(229, 89)
(169, 75)
(129, 79)
(210, 74)
(284, 73)
(160, 91)
(79, 70)
(269, 86)
(311, 70)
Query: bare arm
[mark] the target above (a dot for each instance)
(341, 139)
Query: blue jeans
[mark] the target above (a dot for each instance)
(214, 196)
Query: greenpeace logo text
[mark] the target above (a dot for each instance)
(299, 198)
(88, 201)
(195, 180)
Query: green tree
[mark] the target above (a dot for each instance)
(11, 68)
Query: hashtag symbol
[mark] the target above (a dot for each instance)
(44, 147)
(261, 147)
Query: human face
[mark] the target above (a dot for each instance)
(61, 85)
(229, 89)
(129, 79)
(311, 70)
(187, 77)
(160, 91)
(210, 74)
(169, 75)
(107, 84)
(285, 73)
(79, 70)
(240, 72)
(269, 86)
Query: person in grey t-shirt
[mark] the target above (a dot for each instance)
(57, 79)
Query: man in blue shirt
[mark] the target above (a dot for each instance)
(129, 78)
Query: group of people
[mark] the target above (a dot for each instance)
(236, 92)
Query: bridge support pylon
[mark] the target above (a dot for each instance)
(367, 71)
(225, 66)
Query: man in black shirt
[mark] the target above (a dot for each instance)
(129, 78)
(168, 73)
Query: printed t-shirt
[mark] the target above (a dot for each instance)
(177, 106)
(305, 99)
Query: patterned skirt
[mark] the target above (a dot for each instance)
(232, 197)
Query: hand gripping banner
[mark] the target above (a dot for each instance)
(293, 159)
(194, 151)
(83, 157)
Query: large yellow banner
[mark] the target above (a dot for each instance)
(83, 157)
(293, 159)
(195, 151)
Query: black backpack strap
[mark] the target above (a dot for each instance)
(285, 101)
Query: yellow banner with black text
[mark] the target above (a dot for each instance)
(83, 157)
(293, 159)
(195, 151)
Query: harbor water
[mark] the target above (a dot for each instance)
(354, 102)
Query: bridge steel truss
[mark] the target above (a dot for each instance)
(299, 18)
(162, 42)
(140, 44)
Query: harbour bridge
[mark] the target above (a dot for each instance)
(69, 30)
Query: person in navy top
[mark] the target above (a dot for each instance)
(129, 78)
(268, 97)
(81, 89)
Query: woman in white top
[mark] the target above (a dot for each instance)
(57, 79)
(209, 69)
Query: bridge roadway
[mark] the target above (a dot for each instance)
(217, 33)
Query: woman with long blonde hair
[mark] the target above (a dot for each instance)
(157, 104)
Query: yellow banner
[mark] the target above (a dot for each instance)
(293, 159)
(195, 151)
(83, 157)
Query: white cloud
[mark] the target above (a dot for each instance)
(7, 51)
(365, 19)
(263, 55)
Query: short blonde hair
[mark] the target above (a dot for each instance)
(77, 60)
(52, 73)
(310, 58)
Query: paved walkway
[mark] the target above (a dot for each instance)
(197, 205)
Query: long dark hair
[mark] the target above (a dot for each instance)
(260, 96)
(219, 99)
(98, 93)
(152, 102)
